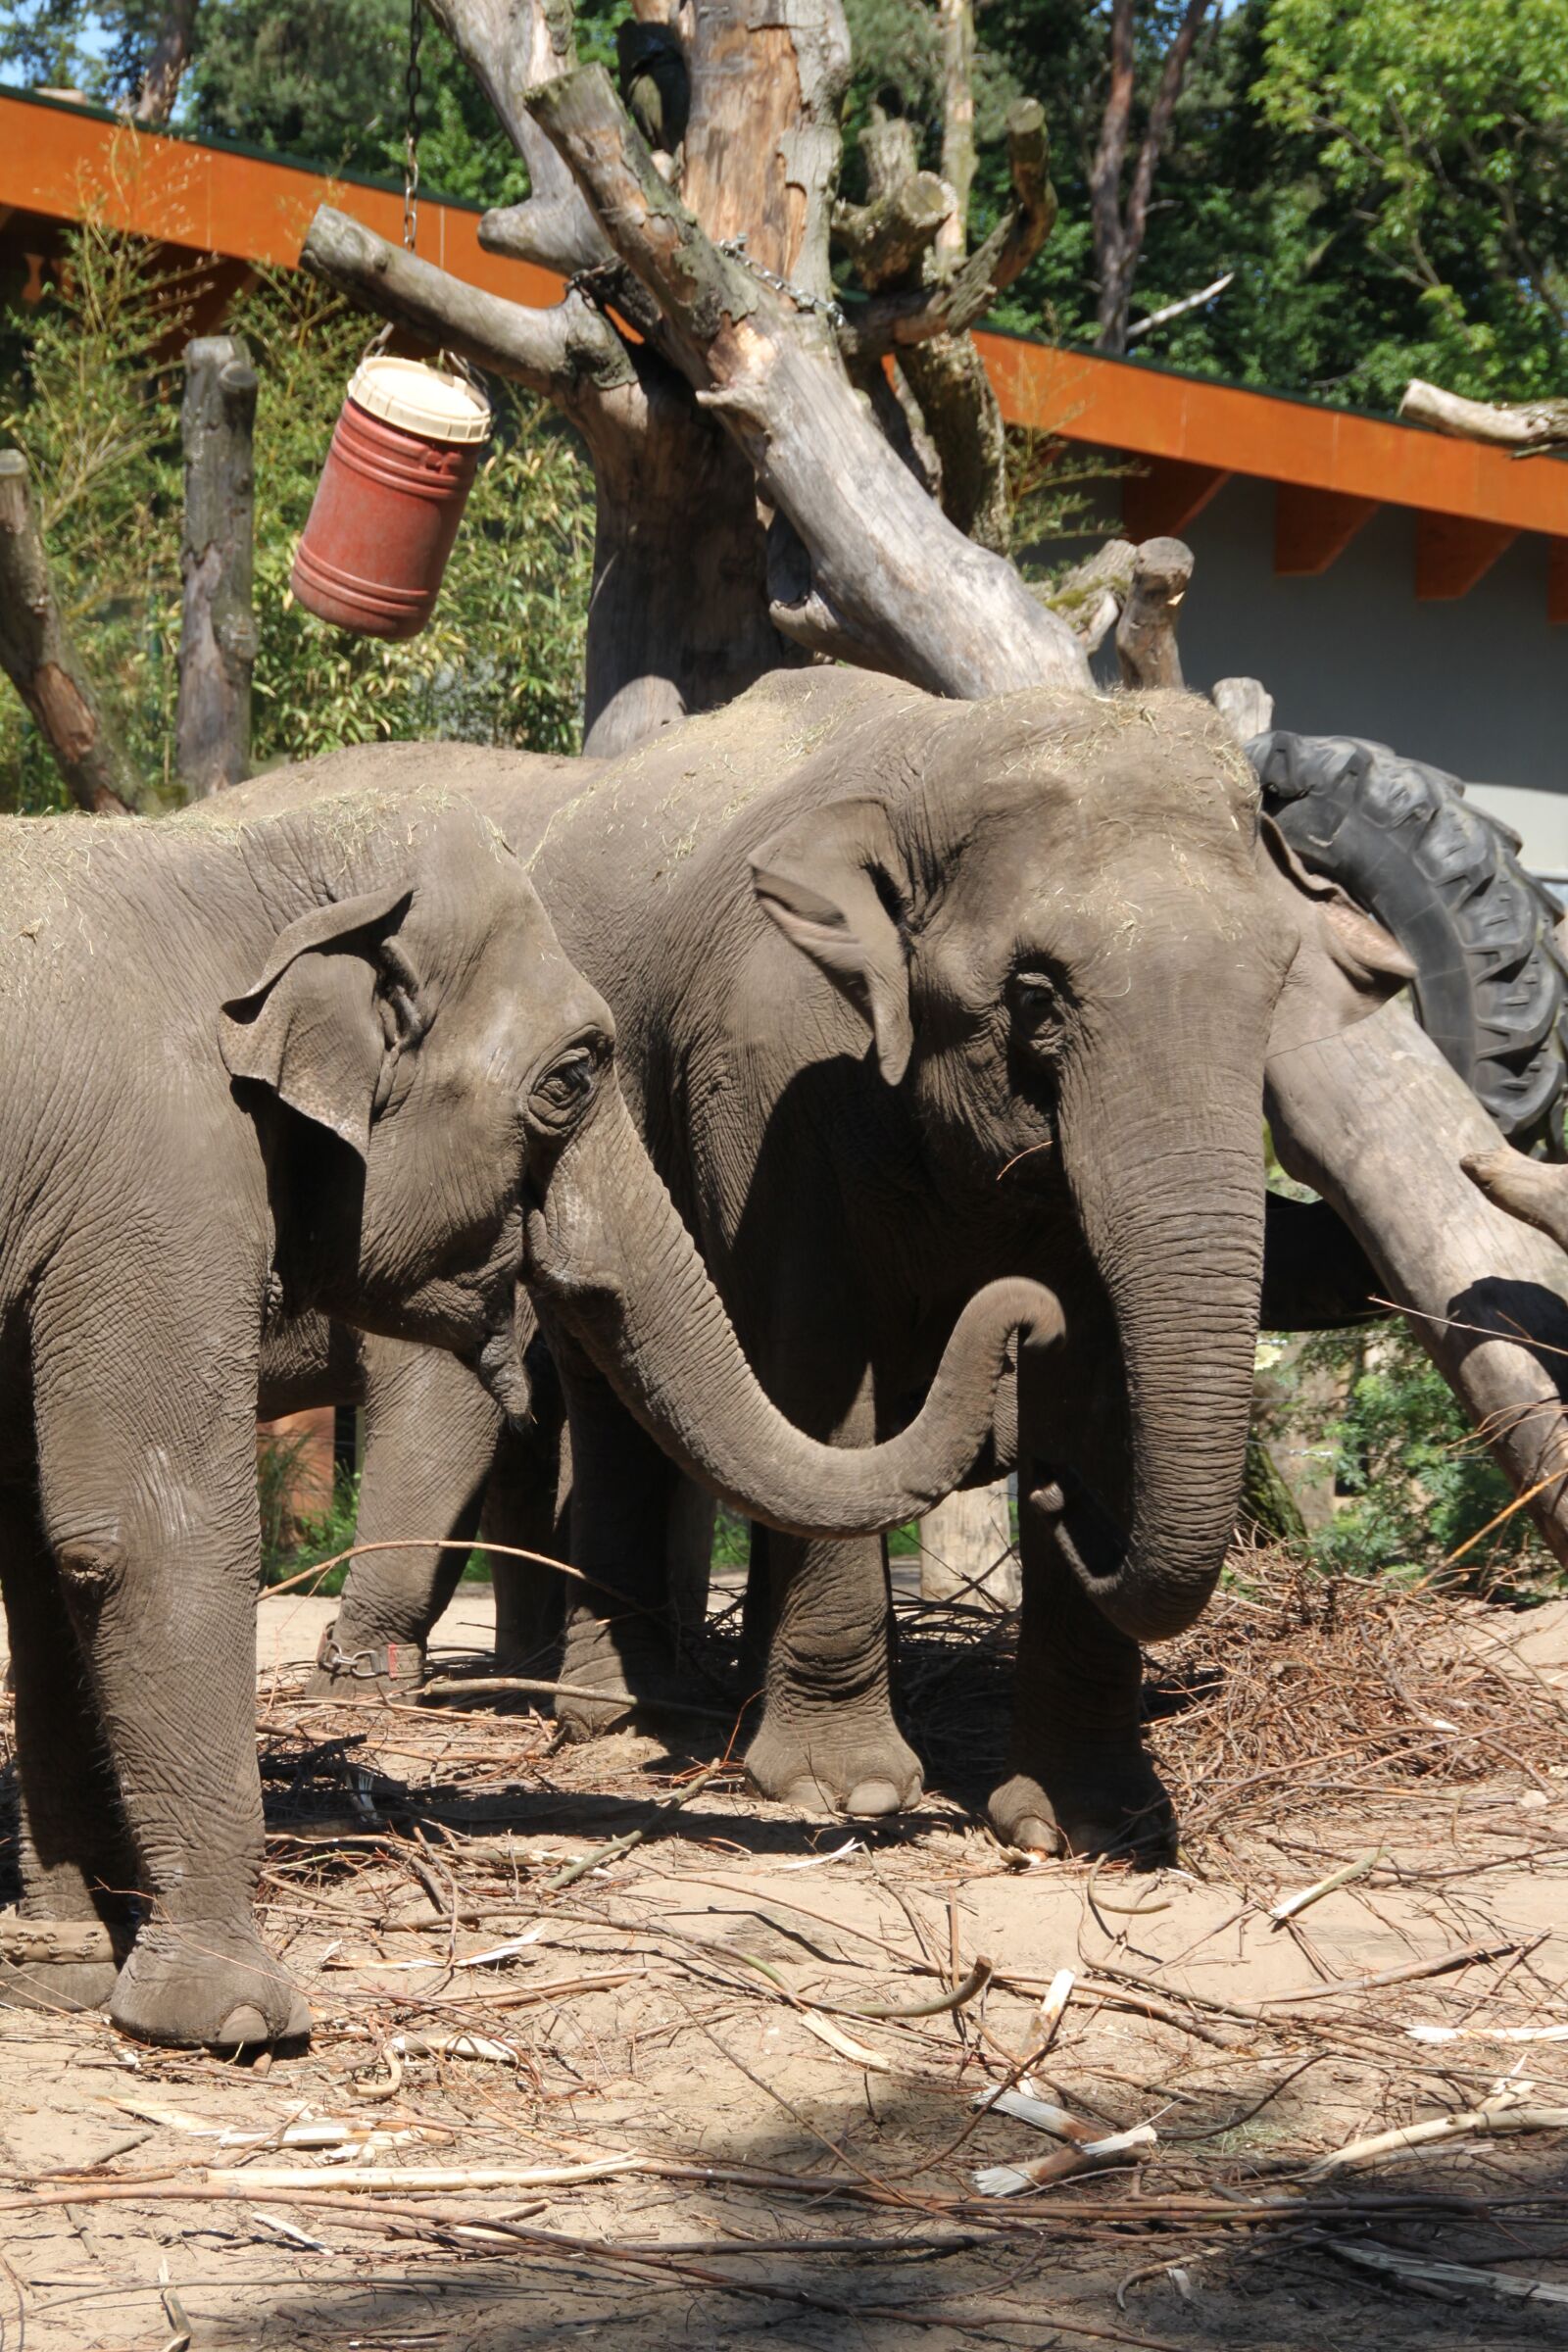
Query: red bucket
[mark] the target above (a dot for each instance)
(405, 451)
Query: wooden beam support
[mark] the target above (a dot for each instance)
(1313, 528)
(1159, 502)
(1557, 582)
(1452, 552)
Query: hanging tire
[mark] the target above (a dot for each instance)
(1491, 985)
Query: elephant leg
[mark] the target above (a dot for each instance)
(527, 1504)
(78, 1867)
(430, 1437)
(1080, 1780)
(147, 1476)
(619, 1630)
(827, 1734)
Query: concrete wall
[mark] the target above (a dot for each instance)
(1479, 686)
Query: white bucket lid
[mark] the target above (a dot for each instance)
(421, 398)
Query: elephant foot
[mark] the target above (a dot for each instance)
(200, 1983)
(366, 1670)
(1113, 1803)
(57, 1988)
(57, 1966)
(632, 1658)
(837, 1763)
(1532, 1190)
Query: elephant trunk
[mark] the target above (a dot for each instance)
(609, 1257)
(1171, 1200)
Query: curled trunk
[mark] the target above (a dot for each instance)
(609, 1254)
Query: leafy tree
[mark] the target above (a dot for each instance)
(1445, 124)
(1417, 1481)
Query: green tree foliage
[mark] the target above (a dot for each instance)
(94, 402)
(1444, 124)
(1418, 1483)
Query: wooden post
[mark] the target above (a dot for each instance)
(967, 1549)
(42, 663)
(217, 638)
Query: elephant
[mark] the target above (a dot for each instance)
(351, 1080)
(915, 995)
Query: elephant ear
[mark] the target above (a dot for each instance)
(324, 1023)
(820, 883)
(1345, 965)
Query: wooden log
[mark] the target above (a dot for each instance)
(218, 631)
(1145, 634)
(1246, 702)
(887, 572)
(41, 661)
(1527, 425)
(1375, 1120)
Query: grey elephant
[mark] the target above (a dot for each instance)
(915, 995)
(326, 1068)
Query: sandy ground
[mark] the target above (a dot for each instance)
(691, 2013)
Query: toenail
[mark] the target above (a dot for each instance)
(872, 1798)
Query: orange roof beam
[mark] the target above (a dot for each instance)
(1313, 528)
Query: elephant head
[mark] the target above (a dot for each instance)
(444, 1123)
(1070, 940)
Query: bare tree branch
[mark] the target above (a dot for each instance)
(1179, 310)
(568, 353)
(903, 582)
(1530, 427)
(42, 663)
(514, 47)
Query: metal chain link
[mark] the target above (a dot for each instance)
(735, 249)
(411, 127)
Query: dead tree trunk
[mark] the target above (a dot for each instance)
(217, 635)
(43, 664)
(858, 562)
(1120, 217)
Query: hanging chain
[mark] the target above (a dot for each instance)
(735, 249)
(411, 128)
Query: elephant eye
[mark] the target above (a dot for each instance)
(567, 1088)
(1035, 1000)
